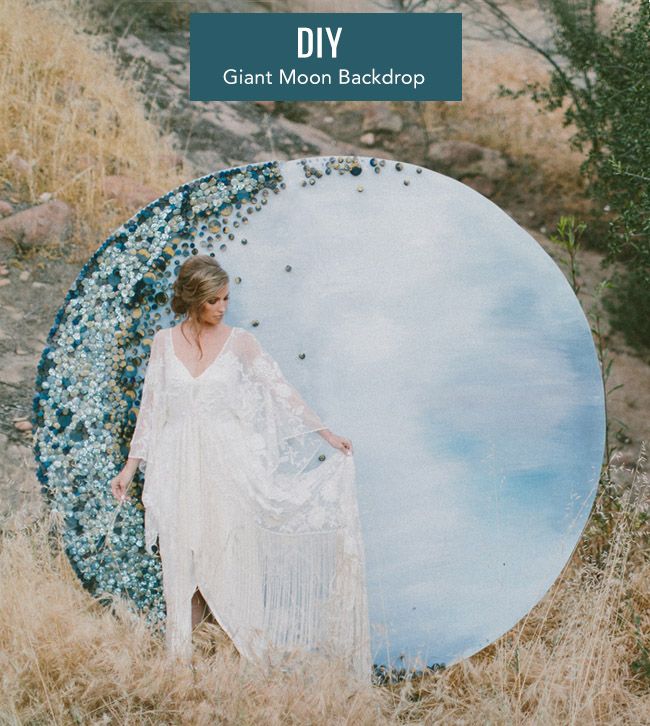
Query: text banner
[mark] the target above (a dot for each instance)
(325, 56)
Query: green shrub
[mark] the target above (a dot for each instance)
(605, 77)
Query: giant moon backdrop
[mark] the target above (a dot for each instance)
(418, 320)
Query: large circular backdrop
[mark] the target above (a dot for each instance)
(417, 319)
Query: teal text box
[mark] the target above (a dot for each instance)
(326, 56)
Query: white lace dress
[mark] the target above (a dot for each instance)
(241, 512)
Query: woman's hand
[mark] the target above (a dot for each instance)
(340, 442)
(120, 485)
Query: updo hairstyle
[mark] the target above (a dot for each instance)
(199, 279)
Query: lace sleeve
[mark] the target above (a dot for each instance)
(142, 439)
(265, 371)
(291, 430)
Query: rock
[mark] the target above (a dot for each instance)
(454, 153)
(5, 209)
(464, 159)
(5, 281)
(45, 197)
(4, 270)
(219, 133)
(24, 275)
(208, 160)
(380, 118)
(15, 314)
(23, 425)
(13, 370)
(128, 192)
(45, 223)
(413, 136)
(477, 166)
(367, 139)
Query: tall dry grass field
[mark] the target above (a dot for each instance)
(581, 656)
(74, 117)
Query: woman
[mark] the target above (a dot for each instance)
(245, 522)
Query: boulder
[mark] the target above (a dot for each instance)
(413, 137)
(43, 224)
(475, 165)
(379, 118)
(127, 192)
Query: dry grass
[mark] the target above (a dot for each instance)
(513, 126)
(536, 140)
(74, 117)
(577, 658)
(66, 659)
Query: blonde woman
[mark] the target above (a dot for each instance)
(247, 522)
